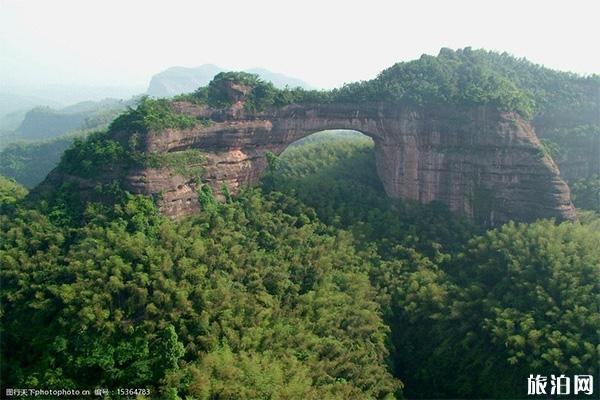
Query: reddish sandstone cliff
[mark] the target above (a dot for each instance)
(484, 164)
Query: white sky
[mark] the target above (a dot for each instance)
(326, 43)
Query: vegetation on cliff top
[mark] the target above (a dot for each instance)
(151, 115)
(261, 94)
(468, 76)
(461, 77)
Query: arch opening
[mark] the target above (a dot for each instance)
(312, 161)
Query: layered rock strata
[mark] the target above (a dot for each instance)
(485, 164)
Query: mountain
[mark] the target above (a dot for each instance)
(12, 101)
(29, 162)
(279, 80)
(28, 153)
(42, 123)
(17, 101)
(458, 128)
(11, 121)
(178, 80)
(14, 106)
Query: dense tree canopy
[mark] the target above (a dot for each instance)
(586, 193)
(29, 163)
(138, 300)
(468, 317)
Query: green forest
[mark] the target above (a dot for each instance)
(314, 284)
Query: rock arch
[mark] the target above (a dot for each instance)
(485, 164)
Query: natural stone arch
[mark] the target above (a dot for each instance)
(484, 164)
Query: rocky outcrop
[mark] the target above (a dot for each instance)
(484, 164)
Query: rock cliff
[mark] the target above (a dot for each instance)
(485, 164)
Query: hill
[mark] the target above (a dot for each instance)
(316, 285)
(45, 123)
(30, 162)
(458, 128)
(177, 80)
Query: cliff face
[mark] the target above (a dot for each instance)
(484, 164)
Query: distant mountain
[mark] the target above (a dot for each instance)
(14, 98)
(29, 162)
(16, 101)
(14, 106)
(28, 153)
(12, 120)
(46, 122)
(279, 80)
(42, 123)
(11, 102)
(177, 80)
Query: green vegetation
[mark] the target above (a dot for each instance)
(99, 154)
(461, 77)
(93, 155)
(29, 162)
(10, 192)
(590, 219)
(187, 163)
(151, 115)
(509, 311)
(338, 178)
(257, 94)
(197, 308)
(469, 318)
(586, 193)
(316, 286)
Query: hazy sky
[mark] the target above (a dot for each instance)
(326, 43)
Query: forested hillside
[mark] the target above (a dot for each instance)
(34, 149)
(29, 163)
(471, 311)
(315, 286)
